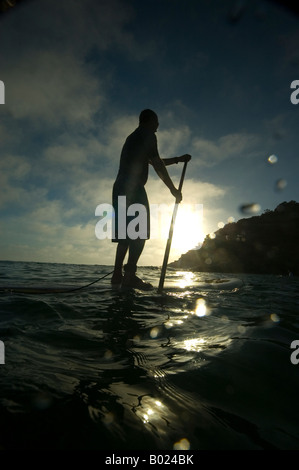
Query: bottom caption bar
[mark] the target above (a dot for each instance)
(142, 459)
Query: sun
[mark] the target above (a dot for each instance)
(188, 229)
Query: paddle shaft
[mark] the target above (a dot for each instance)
(168, 245)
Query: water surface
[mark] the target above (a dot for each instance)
(205, 365)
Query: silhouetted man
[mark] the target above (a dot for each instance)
(140, 150)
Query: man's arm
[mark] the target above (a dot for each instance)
(161, 171)
(183, 158)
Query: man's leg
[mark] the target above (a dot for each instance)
(135, 250)
(121, 251)
(130, 279)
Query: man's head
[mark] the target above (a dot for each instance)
(149, 118)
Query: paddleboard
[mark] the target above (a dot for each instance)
(204, 284)
(175, 284)
(180, 285)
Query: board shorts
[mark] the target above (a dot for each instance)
(135, 224)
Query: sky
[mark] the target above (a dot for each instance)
(76, 76)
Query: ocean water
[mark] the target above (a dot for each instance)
(202, 366)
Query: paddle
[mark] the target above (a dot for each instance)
(168, 245)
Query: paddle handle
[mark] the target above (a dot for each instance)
(182, 176)
(168, 245)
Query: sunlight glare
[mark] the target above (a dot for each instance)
(150, 410)
(201, 308)
(188, 231)
(194, 344)
(171, 323)
(186, 280)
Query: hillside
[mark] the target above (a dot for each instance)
(264, 244)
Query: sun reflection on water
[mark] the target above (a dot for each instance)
(201, 308)
(186, 280)
(175, 321)
(157, 416)
(194, 344)
(153, 411)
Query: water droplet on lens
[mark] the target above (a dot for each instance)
(251, 208)
(272, 159)
(183, 444)
(274, 317)
(280, 184)
(154, 332)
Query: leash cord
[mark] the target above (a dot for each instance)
(28, 290)
(91, 283)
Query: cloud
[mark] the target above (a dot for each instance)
(289, 42)
(46, 231)
(114, 135)
(173, 141)
(95, 152)
(58, 243)
(73, 24)
(65, 122)
(52, 231)
(14, 167)
(213, 152)
(14, 190)
(194, 191)
(89, 193)
(51, 88)
(60, 79)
